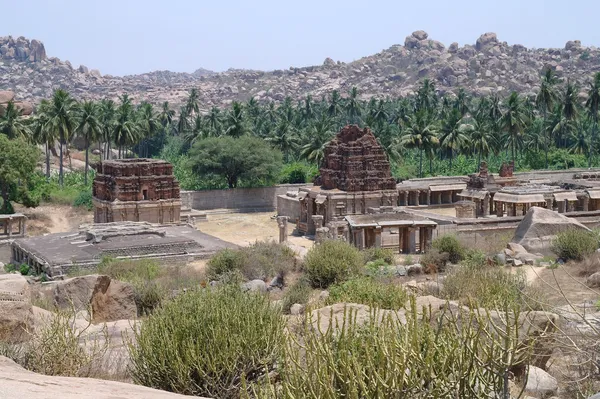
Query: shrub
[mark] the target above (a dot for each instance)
(434, 261)
(368, 291)
(207, 342)
(9, 268)
(331, 262)
(589, 265)
(480, 285)
(299, 292)
(374, 254)
(575, 244)
(451, 245)
(24, 269)
(84, 200)
(261, 260)
(392, 359)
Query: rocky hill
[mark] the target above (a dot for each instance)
(486, 67)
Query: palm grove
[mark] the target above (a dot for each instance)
(254, 143)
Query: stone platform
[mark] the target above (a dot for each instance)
(57, 254)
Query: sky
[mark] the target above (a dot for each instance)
(121, 37)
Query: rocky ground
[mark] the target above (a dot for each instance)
(488, 66)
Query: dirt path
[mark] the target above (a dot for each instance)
(46, 219)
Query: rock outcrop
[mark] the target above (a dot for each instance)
(487, 67)
(16, 312)
(540, 226)
(6, 96)
(18, 383)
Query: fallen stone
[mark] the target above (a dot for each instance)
(540, 384)
(540, 226)
(6, 96)
(333, 316)
(414, 269)
(16, 312)
(20, 383)
(501, 257)
(323, 295)
(593, 281)
(516, 248)
(255, 286)
(76, 293)
(113, 302)
(297, 309)
(517, 263)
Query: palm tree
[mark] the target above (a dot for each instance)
(426, 97)
(420, 132)
(514, 120)
(236, 126)
(107, 120)
(480, 138)
(453, 133)
(149, 125)
(545, 100)
(335, 104)
(284, 137)
(593, 104)
(191, 105)
(62, 120)
(462, 102)
(353, 106)
(570, 111)
(88, 127)
(214, 121)
(125, 130)
(581, 139)
(319, 135)
(42, 133)
(12, 124)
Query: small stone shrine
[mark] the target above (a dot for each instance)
(136, 190)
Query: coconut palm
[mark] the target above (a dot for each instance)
(419, 132)
(545, 100)
(125, 129)
(514, 121)
(88, 127)
(480, 138)
(12, 124)
(107, 115)
(335, 104)
(62, 120)
(148, 125)
(319, 135)
(353, 106)
(593, 104)
(191, 105)
(236, 125)
(285, 138)
(42, 133)
(454, 134)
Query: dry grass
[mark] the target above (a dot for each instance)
(586, 267)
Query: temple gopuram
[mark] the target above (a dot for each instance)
(136, 190)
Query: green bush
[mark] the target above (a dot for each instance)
(299, 292)
(261, 260)
(24, 269)
(373, 254)
(449, 244)
(208, 342)
(420, 358)
(9, 268)
(368, 291)
(434, 261)
(84, 200)
(575, 244)
(331, 262)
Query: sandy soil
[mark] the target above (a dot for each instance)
(47, 219)
(560, 286)
(443, 211)
(247, 228)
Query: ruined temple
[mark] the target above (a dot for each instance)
(354, 161)
(136, 190)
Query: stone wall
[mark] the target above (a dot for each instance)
(238, 199)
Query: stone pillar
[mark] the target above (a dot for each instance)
(405, 194)
(439, 197)
(317, 221)
(417, 199)
(310, 224)
(282, 223)
(422, 239)
(428, 237)
(586, 203)
(412, 241)
(333, 230)
(10, 220)
(428, 197)
(378, 242)
(569, 206)
(549, 203)
(346, 233)
(499, 209)
(321, 234)
(561, 206)
(486, 205)
(405, 240)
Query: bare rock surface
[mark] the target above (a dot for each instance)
(16, 312)
(115, 301)
(540, 226)
(488, 66)
(18, 383)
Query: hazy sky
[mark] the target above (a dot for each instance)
(122, 37)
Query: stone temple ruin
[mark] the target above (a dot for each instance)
(354, 198)
(56, 254)
(138, 190)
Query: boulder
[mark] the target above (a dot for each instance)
(420, 35)
(573, 45)
(333, 316)
(593, 281)
(486, 40)
(25, 107)
(6, 96)
(540, 384)
(328, 62)
(540, 226)
(113, 302)
(16, 312)
(453, 48)
(37, 51)
(20, 383)
(76, 293)
(255, 285)
(297, 309)
(516, 248)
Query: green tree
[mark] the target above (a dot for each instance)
(89, 128)
(236, 125)
(18, 160)
(593, 104)
(12, 124)
(148, 126)
(353, 106)
(335, 104)
(107, 119)
(62, 120)
(247, 159)
(452, 134)
(420, 132)
(125, 130)
(319, 135)
(42, 133)
(545, 100)
(514, 121)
